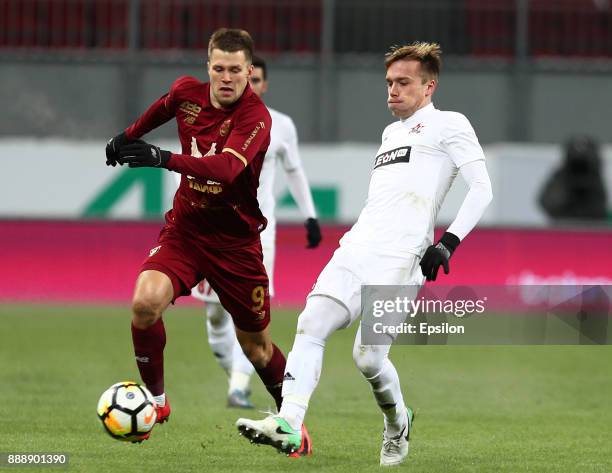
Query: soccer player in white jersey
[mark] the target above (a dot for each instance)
(391, 244)
(283, 149)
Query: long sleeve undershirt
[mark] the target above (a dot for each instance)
(300, 190)
(476, 201)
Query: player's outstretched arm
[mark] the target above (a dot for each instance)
(476, 201)
(248, 139)
(223, 167)
(139, 154)
(156, 115)
(160, 111)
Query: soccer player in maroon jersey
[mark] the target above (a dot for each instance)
(212, 230)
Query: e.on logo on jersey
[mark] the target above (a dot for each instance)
(398, 155)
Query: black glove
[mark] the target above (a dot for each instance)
(112, 148)
(140, 154)
(313, 232)
(437, 255)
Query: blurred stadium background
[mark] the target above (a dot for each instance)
(531, 75)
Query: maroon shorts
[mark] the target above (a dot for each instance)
(238, 275)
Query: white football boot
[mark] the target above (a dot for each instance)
(395, 449)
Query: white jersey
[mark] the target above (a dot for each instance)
(412, 172)
(284, 148)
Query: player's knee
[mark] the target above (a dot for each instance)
(153, 293)
(146, 311)
(369, 359)
(314, 324)
(321, 317)
(307, 323)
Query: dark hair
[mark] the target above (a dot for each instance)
(231, 40)
(259, 62)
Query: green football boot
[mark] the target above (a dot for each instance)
(274, 431)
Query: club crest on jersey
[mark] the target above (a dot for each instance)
(397, 155)
(225, 126)
(416, 128)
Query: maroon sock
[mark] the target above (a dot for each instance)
(272, 375)
(149, 350)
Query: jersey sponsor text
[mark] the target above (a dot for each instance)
(398, 155)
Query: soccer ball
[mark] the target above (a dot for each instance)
(127, 411)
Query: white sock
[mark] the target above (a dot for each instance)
(302, 374)
(238, 382)
(240, 362)
(242, 369)
(221, 334)
(388, 395)
(160, 400)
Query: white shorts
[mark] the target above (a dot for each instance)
(205, 293)
(352, 266)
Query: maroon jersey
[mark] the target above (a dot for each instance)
(216, 202)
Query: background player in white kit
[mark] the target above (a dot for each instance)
(418, 159)
(284, 149)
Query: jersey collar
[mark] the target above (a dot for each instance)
(420, 113)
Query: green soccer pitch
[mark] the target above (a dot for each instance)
(502, 409)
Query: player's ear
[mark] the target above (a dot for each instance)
(431, 87)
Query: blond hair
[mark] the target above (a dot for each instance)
(428, 54)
